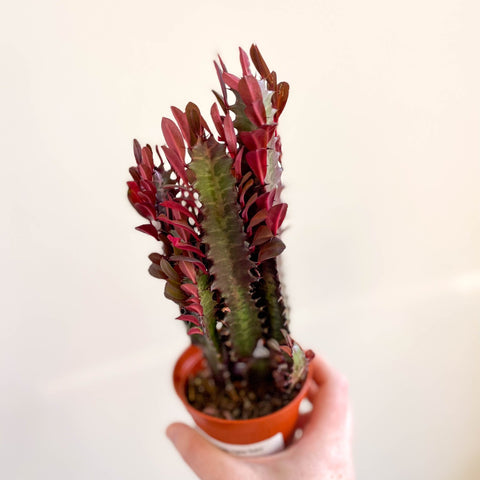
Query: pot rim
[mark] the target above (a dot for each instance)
(191, 352)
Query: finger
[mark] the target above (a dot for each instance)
(326, 381)
(322, 371)
(205, 459)
(303, 420)
(312, 391)
(329, 399)
(321, 374)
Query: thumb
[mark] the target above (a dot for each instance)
(204, 458)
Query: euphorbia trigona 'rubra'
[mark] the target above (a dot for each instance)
(213, 202)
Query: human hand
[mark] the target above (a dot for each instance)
(322, 453)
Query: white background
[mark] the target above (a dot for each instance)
(382, 267)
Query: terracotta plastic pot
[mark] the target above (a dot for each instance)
(258, 436)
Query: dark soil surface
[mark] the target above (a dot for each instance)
(240, 402)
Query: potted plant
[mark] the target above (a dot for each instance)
(214, 203)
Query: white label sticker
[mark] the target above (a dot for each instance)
(265, 447)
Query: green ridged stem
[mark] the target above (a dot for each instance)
(223, 233)
(275, 308)
(208, 306)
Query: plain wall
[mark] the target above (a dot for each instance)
(382, 267)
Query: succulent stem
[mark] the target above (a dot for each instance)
(223, 233)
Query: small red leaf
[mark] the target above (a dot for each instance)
(146, 211)
(262, 235)
(133, 195)
(133, 185)
(173, 137)
(249, 203)
(272, 81)
(188, 269)
(155, 258)
(249, 90)
(182, 121)
(220, 101)
(177, 164)
(237, 164)
(179, 224)
(224, 68)
(259, 62)
(134, 173)
(145, 171)
(251, 94)
(149, 229)
(244, 191)
(137, 151)
(148, 186)
(257, 161)
(185, 246)
(195, 307)
(245, 62)
(275, 216)
(244, 179)
(255, 111)
(280, 98)
(172, 292)
(155, 271)
(217, 121)
(189, 318)
(220, 79)
(147, 157)
(230, 136)
(168, 270)
(194, 261)
(271, 249)
(174, 205)
(266, 199)
(195, 331)
(287, 350)
(194, 119)
(231, 80)
(146, 197)
(258, 138)
(258, 218)
(190, 289)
